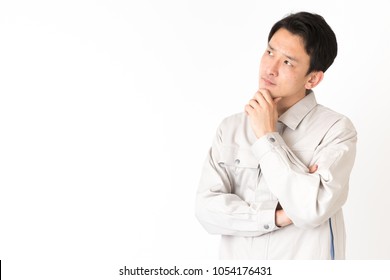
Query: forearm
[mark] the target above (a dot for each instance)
(308, 199)
(221, 211)
(239, 219)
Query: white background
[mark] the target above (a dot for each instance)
(108, 108)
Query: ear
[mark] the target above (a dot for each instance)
(314, 78)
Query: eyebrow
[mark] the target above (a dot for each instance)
(286, 55)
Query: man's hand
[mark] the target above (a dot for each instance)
(313, 168)
(262, 111)
(281, 219)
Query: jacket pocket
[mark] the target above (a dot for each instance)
(243, 169)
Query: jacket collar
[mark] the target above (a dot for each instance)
(294, 115)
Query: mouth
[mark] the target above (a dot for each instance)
(268, 82)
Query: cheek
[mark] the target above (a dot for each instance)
(289, 76)
(263, 63)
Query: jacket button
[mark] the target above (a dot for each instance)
(271, 139)
(237, 161)
(266, 226)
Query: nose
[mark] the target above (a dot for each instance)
(273, 68)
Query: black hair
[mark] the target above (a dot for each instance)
(318, 37)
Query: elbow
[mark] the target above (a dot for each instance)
(205, 223)
(201, 215)
(309, 219)
(308, 222)
(319, 212)
(313, 219)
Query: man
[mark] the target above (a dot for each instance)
(276, 177)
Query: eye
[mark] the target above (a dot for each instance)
(288, 63)
(270, 53)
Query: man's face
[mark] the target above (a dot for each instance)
(284, 66)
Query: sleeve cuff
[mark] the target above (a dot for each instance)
(266, 143)
(266, 216)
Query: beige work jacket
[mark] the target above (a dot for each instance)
(244, 178)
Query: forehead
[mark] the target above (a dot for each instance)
(288, 44)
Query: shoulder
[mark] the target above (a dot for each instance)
(235, 130)
(329, 117)
(233, 121)
(338, 127)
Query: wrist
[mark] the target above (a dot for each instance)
(263, 133)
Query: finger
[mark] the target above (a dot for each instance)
(267, 96)
(277, 99)
(248, 109)
(313, 168)
(258, 95)
(260, 99)
(250, 112)
(254, 104)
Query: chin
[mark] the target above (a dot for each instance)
(271, 92)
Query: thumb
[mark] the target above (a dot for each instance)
(277, 99)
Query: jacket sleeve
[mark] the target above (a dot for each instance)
(309, 199)
(222, 212)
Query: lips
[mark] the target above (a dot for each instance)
(268, 82)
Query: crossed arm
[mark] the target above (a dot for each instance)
(309, 196)
(281, 218)
(262, 110)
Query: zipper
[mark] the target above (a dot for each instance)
(331, 240)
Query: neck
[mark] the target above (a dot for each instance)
(286, 103)
(281, 109)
